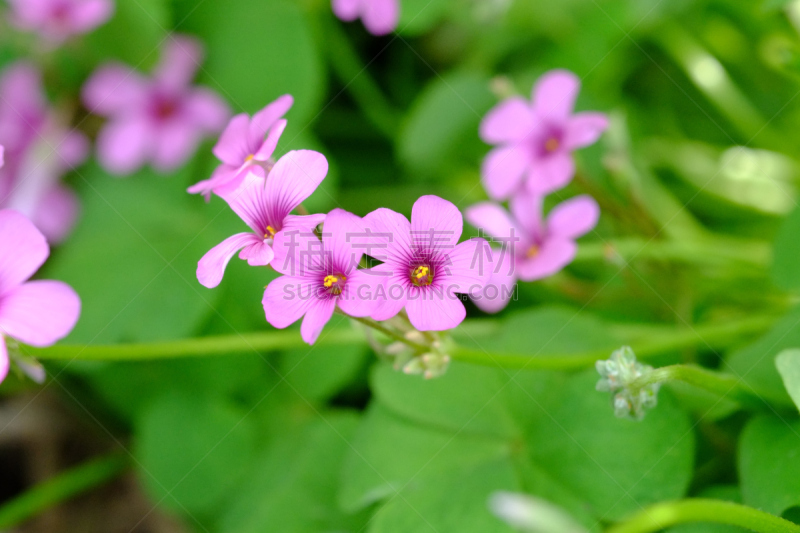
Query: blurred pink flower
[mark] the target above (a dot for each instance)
(537, 139)
(35, 312)
(424, 265)
(379, 16)
(532, 248)
(160, 120)
(320, 275)
(243, 148)
(265, 205)
(38, 151)
(57, 20)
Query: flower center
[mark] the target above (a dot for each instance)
(334, 283)
(551, 145)
(422, 276)
(532, 252)
(165, 108)
(249, 158)
(270, 232)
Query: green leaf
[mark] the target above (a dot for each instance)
(258, 51)
(443, 123)
(134, 35)
(191, 452)
(388, 453)
(291, 487)
(133, 257)
(419, 16)
(755, 365)
(788, 364)
(615, 465)
(468, 398)
(786, 254)
(768, 467)
(454, 502)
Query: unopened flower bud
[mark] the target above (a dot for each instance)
(617, 374)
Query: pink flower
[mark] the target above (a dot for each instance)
(242, 147)
(38, 151)
(34, 312)
(320, 275)
(57, 20)
(265, 205)
(379, 16)
(160, 120)
(424, 265)
(532, 248)
(537, 139)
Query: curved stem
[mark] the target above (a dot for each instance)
(60, 488)
(714, 382)
(419, 348)
(663, 515)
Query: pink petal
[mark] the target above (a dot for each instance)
(490, 218)
(124, 145)
(23, 249)
(468, 268)
(211, 266)
(56, 213)
(347, 10)
(503, 169)
(72, 147)
(266, 119)
(257, 254)
(498, 291)
(554, 255)
(180, 59)
(90, 14)
(526, 207)
(288, 298)
(429, 310)
(573, 218)
(232, 148)
(176, 143)
(319, 313)
(509, 121)
(39, 312)
(267, 148)
(5, 363)
(293, 178)
(554, 95)
(222, 175)
(303, 222)
(251, 202)
(21, 87)
(584, 129)
(207, 110)
(391, 298)
(551, 173)
(2, 156)
(392, 240)
(298, 252)
(436, 224)
(380, 16)
(343, 236)
(113, 88)
(360, 296)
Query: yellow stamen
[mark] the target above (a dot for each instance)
(421, 272)
(532, 252)
(330, 280)
(249, 158)
(551, 144)
(270, 232)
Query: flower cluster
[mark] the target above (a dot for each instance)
(39, 149)
(617, 375)
(533, 159)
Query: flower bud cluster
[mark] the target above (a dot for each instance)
(617, 375)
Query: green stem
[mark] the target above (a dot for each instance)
(353, 74)
(715, 336)
(724, 385)
(663, 515)
(60, 488)
(419, 348)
